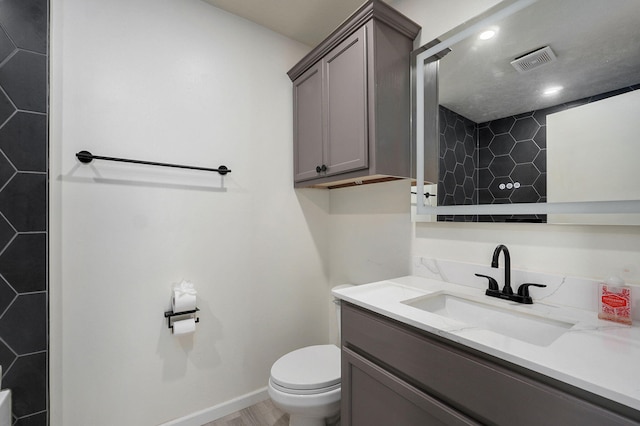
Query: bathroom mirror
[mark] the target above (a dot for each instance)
(527, 113)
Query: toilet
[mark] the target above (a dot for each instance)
(306, 383)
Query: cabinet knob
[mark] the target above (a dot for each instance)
(322, 168)
(318, 169)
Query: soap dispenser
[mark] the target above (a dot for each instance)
(614, 300)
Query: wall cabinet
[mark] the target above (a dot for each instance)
(351, 99)
(396, 374)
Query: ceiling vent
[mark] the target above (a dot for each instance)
(534, 59)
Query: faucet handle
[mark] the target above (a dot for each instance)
(523, 290)
(493, 284)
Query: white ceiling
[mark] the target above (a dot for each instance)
(307, 21)
(582, 33)
(597, 44)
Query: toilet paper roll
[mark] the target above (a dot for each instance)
(184, 297)
(186, 326)
(183, 302)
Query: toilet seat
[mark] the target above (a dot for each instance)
(307, 371)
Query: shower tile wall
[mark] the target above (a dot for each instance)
(23, 207)
(512, 161)
(511, 151)
(457, 183)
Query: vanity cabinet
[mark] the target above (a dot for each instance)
(395, 374)
(351, 101)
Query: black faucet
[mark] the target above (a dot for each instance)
(507, 292)
(507, 267)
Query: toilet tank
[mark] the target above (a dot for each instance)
(336, 302)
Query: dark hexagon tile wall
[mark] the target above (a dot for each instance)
(458, 161)
(24, 324)
(24, 78)
(23, 202)
(7, 295)
(23, 207)
(23, 264)
(7, 357)
(7, 171)
(34, 420)
(7, 232)
(6, 46)
(24, 141)
(27, 379)
(509, 150)
(26, 22)
(6, 107)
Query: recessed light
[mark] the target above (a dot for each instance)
(486, 35)
(552, 90)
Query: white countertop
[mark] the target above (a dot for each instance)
(599, 356)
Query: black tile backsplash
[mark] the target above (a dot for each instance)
(23, 207)
(510, 159)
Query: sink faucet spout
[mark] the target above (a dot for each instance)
(507, 266)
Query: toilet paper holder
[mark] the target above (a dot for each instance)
(169, 315)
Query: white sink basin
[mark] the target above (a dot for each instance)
(527, 327)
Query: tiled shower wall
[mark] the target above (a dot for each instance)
(510, 151)
(23, 207)
(458, 176)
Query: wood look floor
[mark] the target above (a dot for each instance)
(263, 413)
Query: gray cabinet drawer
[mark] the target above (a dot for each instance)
(487, 392)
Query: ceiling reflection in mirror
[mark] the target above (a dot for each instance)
(500, 93)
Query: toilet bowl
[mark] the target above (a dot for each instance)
(305, 384)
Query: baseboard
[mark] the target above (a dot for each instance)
(218, 411)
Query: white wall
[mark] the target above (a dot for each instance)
(183, 82)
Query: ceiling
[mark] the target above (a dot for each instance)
(597, 44)
(307, 21)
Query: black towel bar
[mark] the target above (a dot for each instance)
(87, 157)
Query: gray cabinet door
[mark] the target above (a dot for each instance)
(377, 397)
(345, 79)
(307, 119)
